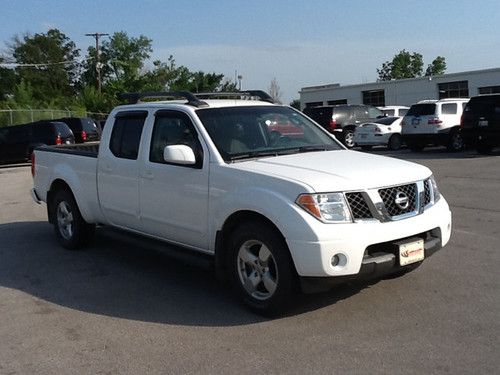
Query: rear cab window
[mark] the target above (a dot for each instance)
(62, 129)
(88, 125)
(427, 109)
(126, 135)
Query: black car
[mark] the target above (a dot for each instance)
(84, 128)
(342, 119)
(17, 142)
(480, 122)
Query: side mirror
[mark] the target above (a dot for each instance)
(179, 154)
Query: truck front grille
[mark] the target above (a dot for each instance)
(399, 200)
(427, 192)
(359, 208)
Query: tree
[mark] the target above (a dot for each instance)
(7, 80)
(169, 76)
(437, 67)
(274, 91)
(403, 65)
(295, 104)
(48, 62)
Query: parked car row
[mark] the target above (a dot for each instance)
(17, 142)
(452, 122)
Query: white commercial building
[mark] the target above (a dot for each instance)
(405, 91)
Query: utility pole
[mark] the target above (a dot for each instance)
(97, 54)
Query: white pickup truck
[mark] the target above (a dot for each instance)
(269, 195)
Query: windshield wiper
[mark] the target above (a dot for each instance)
(252, 154)
(314, 148)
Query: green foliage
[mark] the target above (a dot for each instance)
(50, 76)
(437, 67)
(295, 104)
(7, 81)
(59, 73)
(409, 65)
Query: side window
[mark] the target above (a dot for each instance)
(126, 135)
(43, 130)
(173, 128)
(449, 109)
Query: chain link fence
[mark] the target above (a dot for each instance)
(22, 116)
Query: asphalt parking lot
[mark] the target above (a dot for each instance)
(120, 307)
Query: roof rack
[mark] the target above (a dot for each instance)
(262, 95)
(194, 99)
(135, 97)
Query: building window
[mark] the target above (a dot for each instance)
(337, 102)
(458, 89)
(314, 104)
(374, 97)
(489, 90)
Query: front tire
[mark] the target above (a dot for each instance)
(71, 230)
(348, 138)
(261, 268)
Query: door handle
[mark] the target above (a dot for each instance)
(148, 175)
(106, 169)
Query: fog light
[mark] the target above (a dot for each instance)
(335, 260)
(338, 261)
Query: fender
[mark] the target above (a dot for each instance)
(289, 218)
(84, 195)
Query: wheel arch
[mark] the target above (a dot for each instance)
(224, 233)
(56, 185)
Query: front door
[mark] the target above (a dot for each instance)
(174, 198)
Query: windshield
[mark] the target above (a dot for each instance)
(248, 132)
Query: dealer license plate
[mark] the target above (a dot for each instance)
(411, 252)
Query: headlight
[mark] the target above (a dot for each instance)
(327, 207)
(435, 189)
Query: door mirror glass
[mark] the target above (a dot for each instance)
(179, 154)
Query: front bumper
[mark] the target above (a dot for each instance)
(355, 241)
(379, 260)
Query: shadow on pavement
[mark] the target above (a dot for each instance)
(116, 278)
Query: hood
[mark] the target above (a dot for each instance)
(339, 170)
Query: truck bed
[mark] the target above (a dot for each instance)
(90, 149)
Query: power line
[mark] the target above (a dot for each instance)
(36, 65)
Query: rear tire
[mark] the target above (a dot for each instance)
(455, 141)
(415, 147)
(71, 230)
(484, 148)
(260, 268)
(395, 142)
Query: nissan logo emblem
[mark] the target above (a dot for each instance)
(401, 200)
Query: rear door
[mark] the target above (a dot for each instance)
(174, 197)
(118, 170)
(449, 114)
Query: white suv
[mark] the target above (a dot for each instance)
(434, 122)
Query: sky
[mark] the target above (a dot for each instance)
(299, 43)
